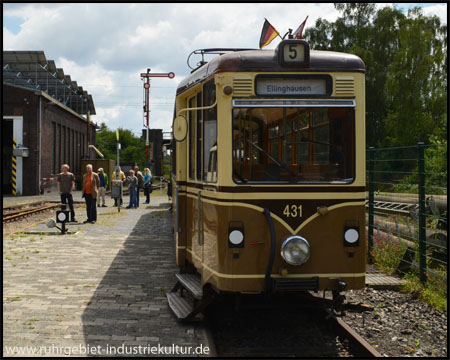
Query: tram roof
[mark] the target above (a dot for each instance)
(267, 61)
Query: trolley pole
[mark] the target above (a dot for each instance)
(147, 76)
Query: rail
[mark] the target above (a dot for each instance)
(19, 214)
(286, 329)
(360, 347)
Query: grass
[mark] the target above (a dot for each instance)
(434, 296)
(387, 255)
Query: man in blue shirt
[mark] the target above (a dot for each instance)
(103, 186)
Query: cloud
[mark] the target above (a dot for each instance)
(8, 36)
(438, 10)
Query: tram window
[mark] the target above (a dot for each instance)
(212, 165)
(294, 145)
(192, 139)
(173, 155)
(54, 171)
(209, 130)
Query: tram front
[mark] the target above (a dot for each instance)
(296, 184)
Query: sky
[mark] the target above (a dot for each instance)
(106, 46)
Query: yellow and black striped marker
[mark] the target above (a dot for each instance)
(13, 170)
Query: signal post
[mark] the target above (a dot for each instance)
(147, 76)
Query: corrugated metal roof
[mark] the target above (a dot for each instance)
(31, 69)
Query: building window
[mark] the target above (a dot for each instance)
(58, 148)
(53, 147)
(63, 146)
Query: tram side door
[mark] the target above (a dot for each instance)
(195, 211)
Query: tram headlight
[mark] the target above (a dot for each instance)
(236, 235)
(351, 236)
(295, 250)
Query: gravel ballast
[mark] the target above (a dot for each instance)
(397, 324)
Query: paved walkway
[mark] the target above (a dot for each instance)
(101, 288)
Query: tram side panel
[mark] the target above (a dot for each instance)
(179, 198)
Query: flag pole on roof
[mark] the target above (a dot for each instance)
(268, 33)
(298, 33)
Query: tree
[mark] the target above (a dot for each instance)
(417, 81)
(406, 68)
(132, 147)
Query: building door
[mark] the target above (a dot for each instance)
(12, 130)
(7, 146)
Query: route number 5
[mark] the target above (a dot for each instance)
(293, 53)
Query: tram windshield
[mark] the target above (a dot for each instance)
(294, 144)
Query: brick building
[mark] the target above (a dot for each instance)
(46, 116)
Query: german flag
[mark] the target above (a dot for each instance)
(268, 33)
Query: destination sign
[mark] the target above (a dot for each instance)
(279, 86)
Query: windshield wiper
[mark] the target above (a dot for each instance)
(280, 164)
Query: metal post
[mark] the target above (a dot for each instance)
(199, 205)
(147, 76)
(119, 199)
(371, 201)
(118, 154)
(422, 216)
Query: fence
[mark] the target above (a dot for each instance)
(407, 211)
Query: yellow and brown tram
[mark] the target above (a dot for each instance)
(269, 170)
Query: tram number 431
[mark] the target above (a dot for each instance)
(293, 211)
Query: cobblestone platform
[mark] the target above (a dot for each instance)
(101, 288)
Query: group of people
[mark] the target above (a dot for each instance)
(137, 181)
(95, 184)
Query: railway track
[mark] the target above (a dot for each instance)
(386, 211)
(21, 211)
(13, 214)
(286, 326)
(407, 206)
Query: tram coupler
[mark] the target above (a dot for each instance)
(338, 299)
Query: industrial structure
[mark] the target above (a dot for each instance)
(45, 123)
(156, 153)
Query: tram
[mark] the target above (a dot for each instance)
(268, 171)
